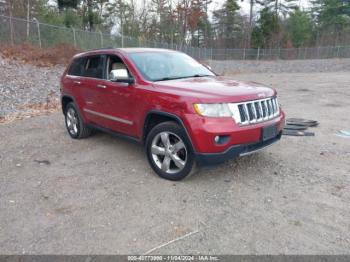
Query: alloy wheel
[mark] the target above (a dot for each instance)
(72, 121)
(169, 152)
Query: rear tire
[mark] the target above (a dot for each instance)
(169, 151)
(76, 128)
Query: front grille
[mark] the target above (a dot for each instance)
(255, 111)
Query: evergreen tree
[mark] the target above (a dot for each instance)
(265, 33)
(299, 28)
(226, 23)
(333, 20)
(280, 7)
(63, 4)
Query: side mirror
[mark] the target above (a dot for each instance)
(121, 76)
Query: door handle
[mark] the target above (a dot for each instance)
(101, 86)
(77, 82)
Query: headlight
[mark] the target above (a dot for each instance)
(213, 110)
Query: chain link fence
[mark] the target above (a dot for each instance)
(16, 31)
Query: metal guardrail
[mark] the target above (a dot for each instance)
(16, 31)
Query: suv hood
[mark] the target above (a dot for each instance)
(215, 89)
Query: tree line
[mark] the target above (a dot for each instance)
(269, 24)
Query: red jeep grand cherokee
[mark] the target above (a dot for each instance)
(182, 112)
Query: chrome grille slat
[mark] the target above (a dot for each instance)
(273, 107)
(261, 111)
(257, 114)
(272, 111)
(246, 113)
(249, 112)
(252, 115)
(276, 106)
(254, 111)
(264, 109)
(269, 108)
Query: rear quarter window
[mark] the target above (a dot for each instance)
(77, 67)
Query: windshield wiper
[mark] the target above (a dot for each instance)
(198, 75)
(179, 77)
(167, 78)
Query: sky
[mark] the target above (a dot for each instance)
(216, 4)
(245, 5)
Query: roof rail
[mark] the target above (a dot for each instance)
(102, 48)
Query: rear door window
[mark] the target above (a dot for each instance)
(77, 67)
(94, 67)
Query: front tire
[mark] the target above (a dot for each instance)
(170, 152)
(76, 128)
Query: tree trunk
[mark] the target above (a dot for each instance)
(90, 15)
(276, 7)
(250, 23)
(28, 17)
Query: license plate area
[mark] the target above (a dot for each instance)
(269, 132)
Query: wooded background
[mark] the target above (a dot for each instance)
(269, 24)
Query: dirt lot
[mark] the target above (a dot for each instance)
(281, 66)
(98, 195)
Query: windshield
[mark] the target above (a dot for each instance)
(158, 66)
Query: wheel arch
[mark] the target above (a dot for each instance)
(155, 117)
(66, 99)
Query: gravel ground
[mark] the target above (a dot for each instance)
(282, 66)
(99, 195)
(24, 84)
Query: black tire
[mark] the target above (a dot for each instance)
(178, 134)
(82, 130)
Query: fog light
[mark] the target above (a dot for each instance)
(220, 140)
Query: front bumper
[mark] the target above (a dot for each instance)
(234, 152)
(204, 130)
